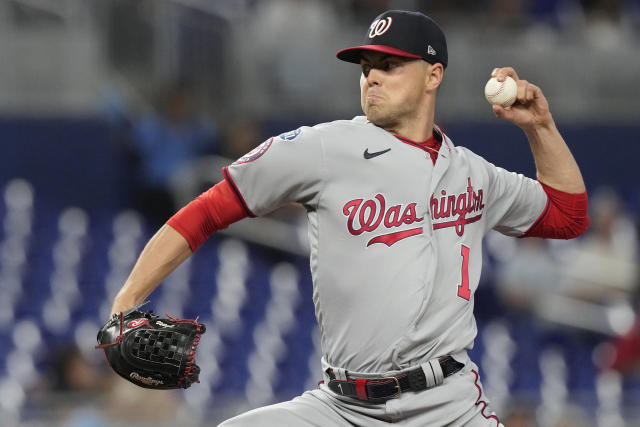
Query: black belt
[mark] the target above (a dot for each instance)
(381, 389)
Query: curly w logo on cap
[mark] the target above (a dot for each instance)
(379, 27)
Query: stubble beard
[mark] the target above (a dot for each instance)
(381, 117)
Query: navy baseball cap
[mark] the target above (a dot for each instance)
(402, 33)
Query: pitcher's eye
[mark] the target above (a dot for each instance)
(388, 66)
(366, 68)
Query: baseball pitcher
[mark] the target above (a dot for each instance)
(397, 214)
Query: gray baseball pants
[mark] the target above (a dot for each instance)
(458, 401)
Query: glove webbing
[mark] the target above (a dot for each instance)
(191, 358)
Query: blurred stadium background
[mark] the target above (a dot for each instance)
(114, 113)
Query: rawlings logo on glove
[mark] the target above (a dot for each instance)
(152, 352)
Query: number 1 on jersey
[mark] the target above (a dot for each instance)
(463, 289)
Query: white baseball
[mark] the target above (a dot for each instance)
(502, 93)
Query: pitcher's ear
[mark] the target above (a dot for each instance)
(434, 76)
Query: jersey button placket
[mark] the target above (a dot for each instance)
(431, 259)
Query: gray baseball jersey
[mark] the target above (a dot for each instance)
(396, 242)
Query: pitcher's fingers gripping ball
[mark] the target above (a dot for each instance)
(150, 351)
(503, 93)
(527, 108)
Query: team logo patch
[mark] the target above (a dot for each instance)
(255, 153)
(288, 136)
(379, 27)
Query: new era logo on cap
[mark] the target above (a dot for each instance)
(402, 33)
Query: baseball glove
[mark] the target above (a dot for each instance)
(152, 352)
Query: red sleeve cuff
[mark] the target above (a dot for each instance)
(232, 184)
(213, 210)
(564, 217)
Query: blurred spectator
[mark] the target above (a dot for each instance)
(519, 415)
(276, 69)
(71, 371)
(602, 266)
(570, 416)
(128, 404)
(166, 140)
(529, 274)
(624, 353)
(508, 13)
(83, 394)
(608, 10)
(602, 23)
(74, 389)
(587, 284)
(240, 137)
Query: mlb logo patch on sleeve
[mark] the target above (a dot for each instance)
(291, 135)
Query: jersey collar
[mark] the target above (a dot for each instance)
(445, 148)
(438, 138)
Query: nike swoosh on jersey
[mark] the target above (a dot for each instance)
(368, 155)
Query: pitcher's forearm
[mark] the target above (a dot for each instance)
(555, 164)
(166, 250)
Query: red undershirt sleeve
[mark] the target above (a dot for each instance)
(213, 210)
(564, 217)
